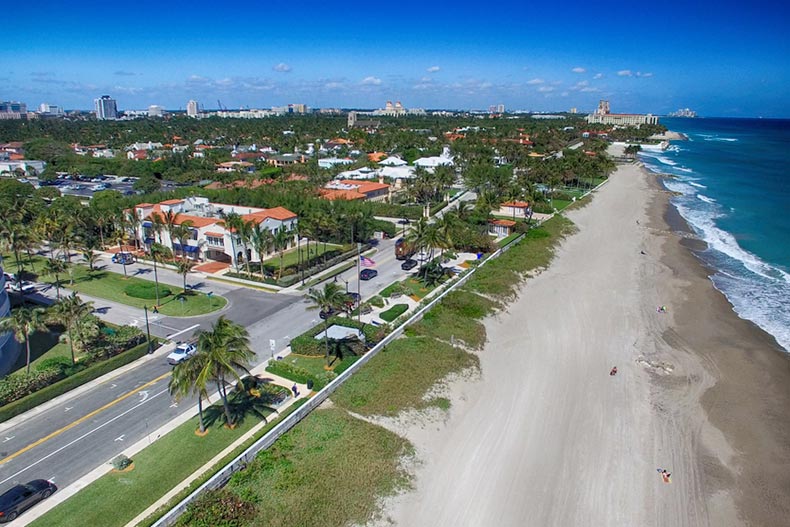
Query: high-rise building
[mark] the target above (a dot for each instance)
(192, 109)
(13, 110)
(155, 111)
(50, 109)
(106, 108)
(500, 108)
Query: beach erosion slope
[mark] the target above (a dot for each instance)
(546, 437)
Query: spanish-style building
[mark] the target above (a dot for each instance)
(209, 238)
(349, 189)
(514, 209)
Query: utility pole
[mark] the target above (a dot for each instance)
(359, 280)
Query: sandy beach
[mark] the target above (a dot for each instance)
(547, 437)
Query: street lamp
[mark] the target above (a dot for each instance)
(148, 330)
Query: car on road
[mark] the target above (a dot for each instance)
(409, 264)
(19, 498)
(182, 352)
(123, 258)
(368, 274)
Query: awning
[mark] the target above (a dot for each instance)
(147, 224)
(148, 241)
(177, 246)
(191, 248)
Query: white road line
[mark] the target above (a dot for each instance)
(82, 437)
(190, 328)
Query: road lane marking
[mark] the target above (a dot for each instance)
(82, 419)
(83, 436)
(143, 394)
(190, 328)
(120, 438)
(7, 439)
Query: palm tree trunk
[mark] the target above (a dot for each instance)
(101, 236)
(156, 280)
(200, 414)
(57, 285)
(224, 396)
(27, 345)
(71, 346)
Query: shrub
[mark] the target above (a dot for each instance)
(120, 462)
(376, 301)
(289, 371)
(62, 365)
(217, 508)
(387, 227)
(394, 312)
(306, 344)
(146, 290)
(21, 384)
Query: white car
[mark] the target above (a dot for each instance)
(24, 287)
(182, 352)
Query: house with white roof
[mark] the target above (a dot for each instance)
(393, 161)
(434, 161)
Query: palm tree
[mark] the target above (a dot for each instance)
(134, 227)
(171, 222)
(280, 243)
(91, 257)
(330, 298)
(262, 241)
(71, 311)
(156, 255)
(184, 381)
(232, 223)
(417, 236)
(23, 322)
(184, 268)
(245, 233)
(56, 267)
(12, 238)
(226, 348)
(157, 225)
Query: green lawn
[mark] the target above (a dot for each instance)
(411, 287)
(315, 365)
(504, 241)
(393, 312)
(116, 498)
(291, 257)
(111, 286)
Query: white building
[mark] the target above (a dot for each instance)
(192, 108)
(434, 161)
(106, 108)
(29, 166)
(209, 238)
(155, 111)
(50, 109)
(329, 162)
(602, 115)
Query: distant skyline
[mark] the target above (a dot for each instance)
(721, 58)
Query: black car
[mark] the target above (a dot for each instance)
(326, 314)
(408, 265)
(368, 274)
(123, 258)
(19, 498)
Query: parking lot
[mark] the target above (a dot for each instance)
(85, 186)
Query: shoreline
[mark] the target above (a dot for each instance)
(751, 388)
(700, 391)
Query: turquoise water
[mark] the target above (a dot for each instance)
(733, 176)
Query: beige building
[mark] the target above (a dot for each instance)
(602, 115)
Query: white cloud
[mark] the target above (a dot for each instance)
(333, 85)
(625, 73)
(546, 89)
(589, 89)
(598, 76)
(371, 81)
(282, 67)
(536, 81)
(433, 69)
(640, 74)
(578, 69)
(581, 84)
(485, 85)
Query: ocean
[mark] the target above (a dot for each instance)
(733, 180)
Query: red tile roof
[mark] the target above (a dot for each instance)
(215, 234)
(365, 187)
(171, 202)
(335, 194)
(504, 223)
(516, 204)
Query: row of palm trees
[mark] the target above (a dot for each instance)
(70, 311)
(222, 352)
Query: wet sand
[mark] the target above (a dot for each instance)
(547, 437)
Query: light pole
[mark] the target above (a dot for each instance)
(148, 330)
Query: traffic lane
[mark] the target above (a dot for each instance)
(94, 440)
(289, 322)
(59, 419)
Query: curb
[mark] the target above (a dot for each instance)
(79, 390)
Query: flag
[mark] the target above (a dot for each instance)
(366, 262)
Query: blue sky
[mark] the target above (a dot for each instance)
(721, 58)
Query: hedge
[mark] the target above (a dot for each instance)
(69, 383)
(394, 312)
(300, 375)
(390, 210)
(146, 290)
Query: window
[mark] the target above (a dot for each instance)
(212, 240)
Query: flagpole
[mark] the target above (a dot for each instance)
(359, 281)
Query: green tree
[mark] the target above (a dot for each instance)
(72, 311)
(262, 241)
(184, 268)
(185, 380)
(23, 322)
(56, 267)
(233, 223)
(226, 350)
(328, 299)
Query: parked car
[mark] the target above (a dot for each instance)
(323, 315)
(368, 274)
(19, 498)
(353, 298)
(123, 258)
(409, 264)
(21, 287)
(182, 352)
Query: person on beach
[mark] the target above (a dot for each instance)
(613, 371)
